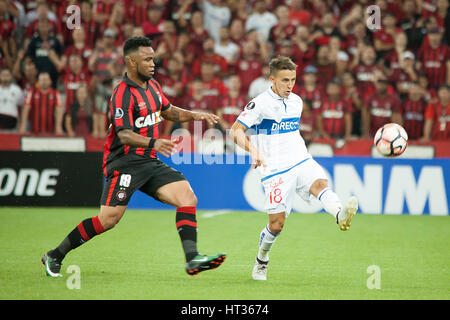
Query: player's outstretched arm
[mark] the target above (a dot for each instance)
(237, 133)
(181, 115)
(163, 146)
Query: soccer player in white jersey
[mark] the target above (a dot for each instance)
(279, 152)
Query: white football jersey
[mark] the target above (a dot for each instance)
(273, 122)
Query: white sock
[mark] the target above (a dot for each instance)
(266, 241)
(331, 203)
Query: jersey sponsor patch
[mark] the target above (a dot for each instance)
(119, 113)
(250, 105)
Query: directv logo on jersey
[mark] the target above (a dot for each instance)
(147, 121)
(285, 126)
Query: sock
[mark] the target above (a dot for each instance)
(186, 223)
(86, 230)
(266, 240)
(331, 202)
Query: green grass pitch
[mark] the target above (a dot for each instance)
(142, 257)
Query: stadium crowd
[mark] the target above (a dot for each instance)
(57, 78)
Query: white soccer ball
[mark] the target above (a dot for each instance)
(391, 140)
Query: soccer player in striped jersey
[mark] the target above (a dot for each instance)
(130, 162)
(279, 151)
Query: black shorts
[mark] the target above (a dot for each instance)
(131, 173)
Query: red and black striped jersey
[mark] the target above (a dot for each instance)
(231, 107)
(43, 107)
(72, 82)
(434, 63)
(135, 108)
(333, 115)
(413, 118)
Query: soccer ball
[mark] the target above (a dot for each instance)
(391, 140)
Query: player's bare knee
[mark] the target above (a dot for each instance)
(276, 226)
(318, 186)
(188, 199)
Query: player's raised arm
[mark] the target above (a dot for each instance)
(237, 133)
(176, 114)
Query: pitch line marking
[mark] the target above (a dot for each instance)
(211, 214)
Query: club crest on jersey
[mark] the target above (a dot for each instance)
(148, 120)
(119, 113)
(250, 105)
(121, 195)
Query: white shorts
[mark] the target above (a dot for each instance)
(281, 188)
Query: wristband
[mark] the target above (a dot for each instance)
(152, 142)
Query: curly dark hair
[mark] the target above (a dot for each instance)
(133, 43)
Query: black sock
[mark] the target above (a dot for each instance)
(86, 230)
(186, 223)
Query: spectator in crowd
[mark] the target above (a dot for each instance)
(238, 37)
(212, 85)
(261, 20)
(219, 62)
(7, 47)
(197, 33)
(105, 64)
(393, 57)
(413, 110)
(248, 67)
(74, 76)
(237, 32)
(226, 48)
(308, 122)
(402, 77)
(303, 50)
(174, 85)
(437, 117)
(199, 101)
(136, 11)
(352, 96)
(380, 108)
(46, 50)
(43, 108)
(297, 13)
(166, 44)
(42, 12)
(326, 69)
(11, 99)
(434, 59)
(261, 83)
(231, 105)
(79, 47)
(335, 117)
(92, 29)
(153, 26)
(25, 72)
(325, 29)
(241, 10)
(384, 38)
(366, 71)
(430, 94)
(79, 120)
(102, 10)
(215, 15)
(284, 29)
(310, 89)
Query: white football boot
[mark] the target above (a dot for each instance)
(344, 218)
(260, 270)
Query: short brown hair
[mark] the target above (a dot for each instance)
(281, 63)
